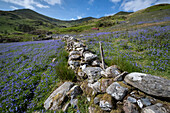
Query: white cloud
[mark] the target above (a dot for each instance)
(134, 5)
(79, 17)
(162, 1)
(13, 7)
(114, 1)
(31, 4)
(53, 2)
(72, 19)
(91, 1)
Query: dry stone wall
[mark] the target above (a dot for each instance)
(108, 90)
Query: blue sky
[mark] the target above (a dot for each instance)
(77, 9)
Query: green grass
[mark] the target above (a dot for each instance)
(62, 69)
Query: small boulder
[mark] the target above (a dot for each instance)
(157, 108)
(144, 82)
(93, 73)
(88, 56)
(116, 91)
(112, 71)
(96, 63)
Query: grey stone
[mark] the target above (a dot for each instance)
(93, 73)
(112, 71)
(149, 84)
(157, 108)
(96, 63)
(131, 99)
(145, 101)
(88, 56)
(74, 57)
(80, 49)
(129, 107)
(74, 63)
(101, 85)
(78, 45)
(96, 100)
(116, 91)
(55, 100)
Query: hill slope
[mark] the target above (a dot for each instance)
(9, 20)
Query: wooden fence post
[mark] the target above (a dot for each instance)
(102, 56)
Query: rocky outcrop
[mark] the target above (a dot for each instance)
(107, 90)
(149, 84)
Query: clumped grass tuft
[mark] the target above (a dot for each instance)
(62, 71)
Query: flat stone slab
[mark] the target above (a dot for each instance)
(149, 84)
(55, 100)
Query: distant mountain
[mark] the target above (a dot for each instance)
(10, 20)
(123, 13)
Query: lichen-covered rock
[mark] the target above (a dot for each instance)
(88, 56)
(93, 73)
(116, 91)
(112, 71)
(157, 108)
(56, 99)
(129, 107)
(101, 85)
(149, 84)
(106, 103)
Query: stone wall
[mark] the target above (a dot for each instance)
(108, 90)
